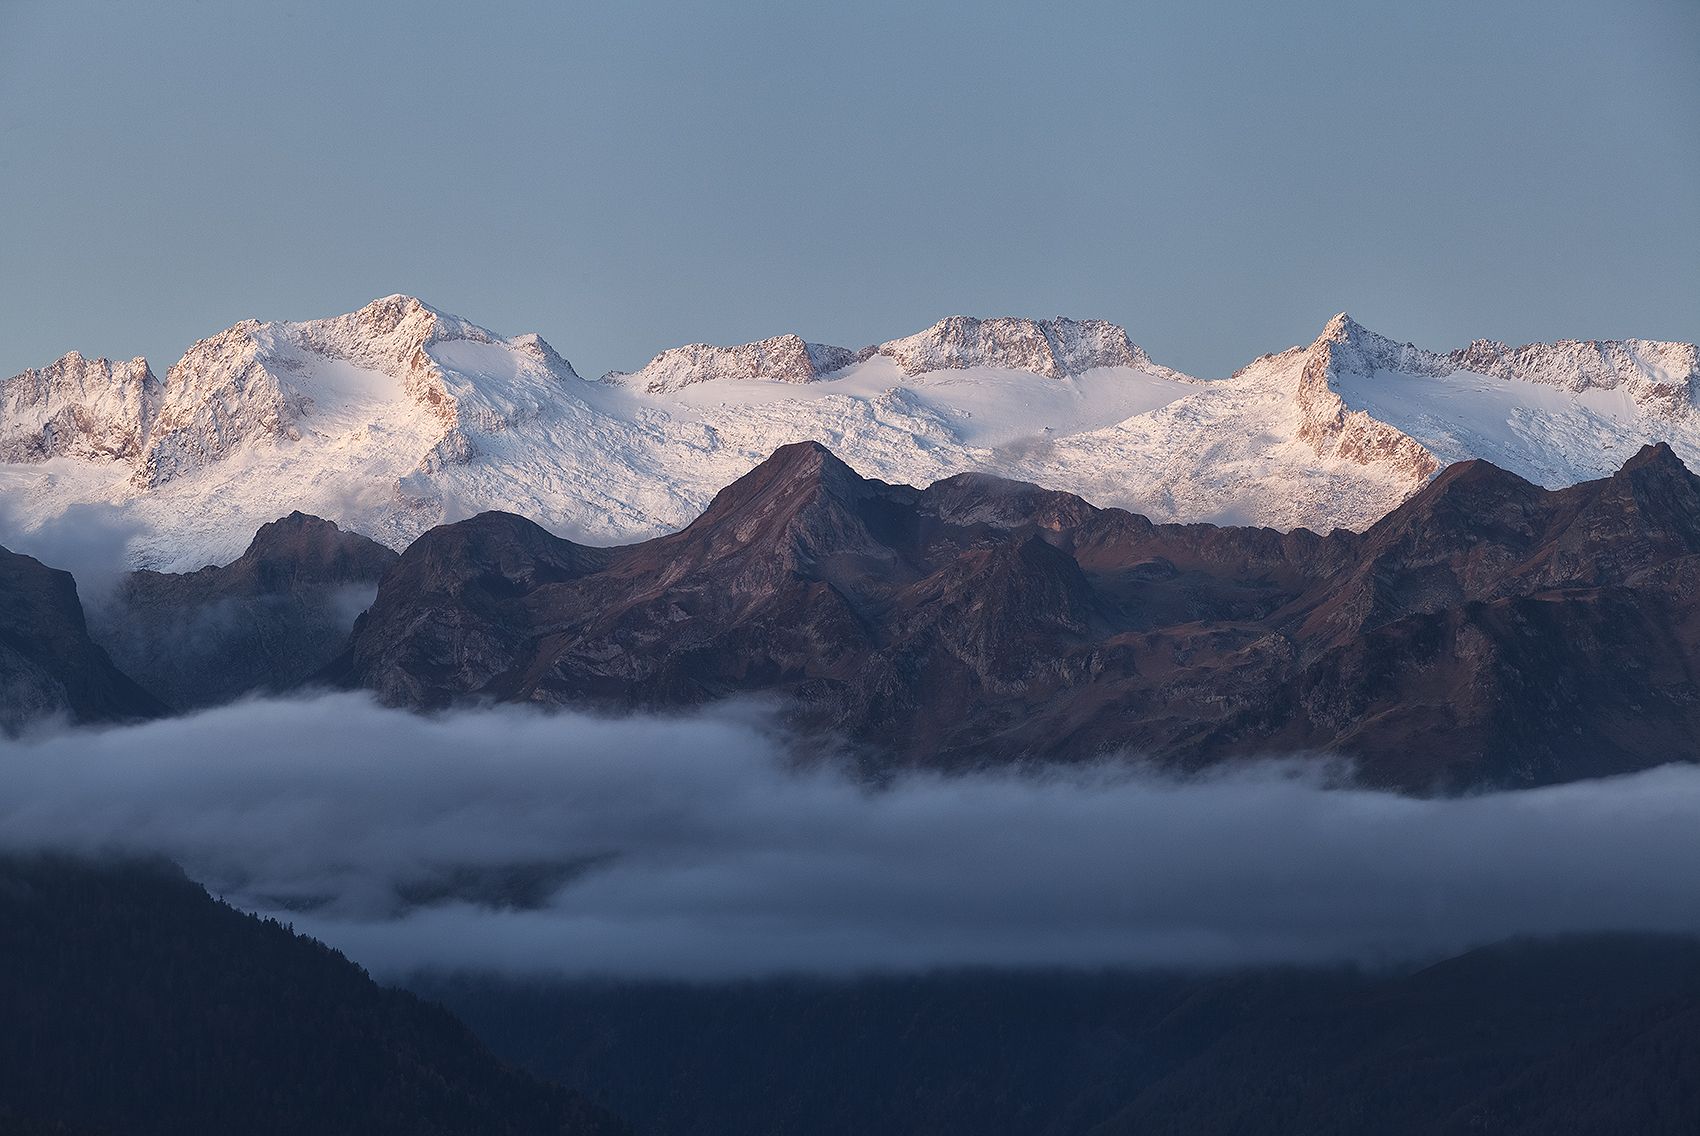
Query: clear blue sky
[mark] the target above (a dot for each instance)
(623, 177)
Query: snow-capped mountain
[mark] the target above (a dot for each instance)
(396, 417)
(79, 408)
(271, 382)
(1658, 377)
(782, 359)
(1055, 348)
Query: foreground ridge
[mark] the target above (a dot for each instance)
(1487, 632)
(137, 1003)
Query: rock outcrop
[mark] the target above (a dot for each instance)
(1335, 430)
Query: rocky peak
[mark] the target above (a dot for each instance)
(538, 348)
(265, 621)
(1645, 513)
(1335, 431)
(76, 407)
(1656, 456)
(302, 548)
(501, 553)
(793, 514)
(1470, 504)
(783, 358)
(1477, 532)
(1350, 346)
(406, 320)
(240, 386)
(1659, 377)
(1470, 493)
(220, 394)
(793, 476)
(1456, 539)
(1055, 348)
(389, 334)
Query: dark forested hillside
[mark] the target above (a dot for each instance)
(1593, 1036)
(133, 1004)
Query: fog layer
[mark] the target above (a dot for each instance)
(691, 847)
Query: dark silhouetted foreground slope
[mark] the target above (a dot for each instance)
(133, 1004)
(1587, 1037)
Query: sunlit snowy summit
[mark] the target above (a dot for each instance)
(394, 418)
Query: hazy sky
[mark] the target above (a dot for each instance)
(623, 177)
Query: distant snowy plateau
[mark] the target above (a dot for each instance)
(397, 417)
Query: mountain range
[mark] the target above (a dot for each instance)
(398, 417)
(995, 542)
(1486, 632)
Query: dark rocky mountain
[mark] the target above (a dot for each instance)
(1492, 625)
(1487, 632)
(135, 1004)
(49, 666)
(1591, 1035)
(265, 622)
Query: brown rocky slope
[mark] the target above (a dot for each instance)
(1487, 632)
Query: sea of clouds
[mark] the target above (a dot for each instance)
(699, 847)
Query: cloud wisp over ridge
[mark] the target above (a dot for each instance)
(693, 847)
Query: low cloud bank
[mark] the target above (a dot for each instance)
(688, 847)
